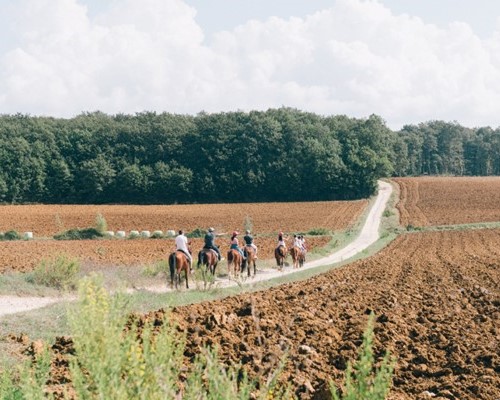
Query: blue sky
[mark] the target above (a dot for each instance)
(408, 61)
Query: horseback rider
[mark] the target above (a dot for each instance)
(210, 241)
(181, 244)
(248, 238)
(281, 241)
(297, 241)
(235, 244)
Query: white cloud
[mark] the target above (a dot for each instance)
(356, 58)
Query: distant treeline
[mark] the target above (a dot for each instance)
(277, 155)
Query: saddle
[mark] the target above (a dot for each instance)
(207, 250)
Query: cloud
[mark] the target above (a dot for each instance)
(355, 58)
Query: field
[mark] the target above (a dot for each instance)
(23, 256)
(427, 201)
(266, 220)
(436, 296)
(47, 220)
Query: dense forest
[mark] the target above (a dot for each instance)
(276, 155)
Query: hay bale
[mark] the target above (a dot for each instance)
(121, 234)
(145, 234)
(28, 235)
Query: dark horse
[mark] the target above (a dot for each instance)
(298, 256)
(209, 258)
(251, 256)
(280, 254)
(178, 262)
(234, 262)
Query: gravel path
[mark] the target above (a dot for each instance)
(369, 235)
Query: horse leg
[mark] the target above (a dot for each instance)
(186, 273)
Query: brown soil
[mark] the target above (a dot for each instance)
(437, 301)
(23, 256)
(47, 220)
(427, 201)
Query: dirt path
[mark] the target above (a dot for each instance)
(369, 234)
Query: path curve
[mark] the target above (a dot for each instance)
(369, 234)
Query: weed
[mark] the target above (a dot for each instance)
(59, 273)
(79, 234)
(319, 232)
(196, 233)
(100, 223)
(10, 235)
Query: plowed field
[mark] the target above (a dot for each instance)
(427, 201)
(437, 300)
(23, 256)
(47, 220)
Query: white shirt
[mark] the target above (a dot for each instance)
(181, 243)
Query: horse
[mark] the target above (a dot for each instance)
(251, 256)
(280, 254)
(209, 258)
(298, 256)
(178, 262)
(234, 261)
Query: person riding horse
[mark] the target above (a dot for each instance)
(248, 238)
(235, 244)
(181, 244)
(210, 241)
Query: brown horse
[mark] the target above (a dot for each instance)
(298, 256)
(280, 254)
(234, 262)
(209, 258)
(178, 262)
(251, 256)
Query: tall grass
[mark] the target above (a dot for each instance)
(59, 272)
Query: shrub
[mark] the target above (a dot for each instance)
(79, 234)
(154, 270)
(157, 235)
(59, 273)
(362, 381)
(196, 233)
(11, 235)
(100, 223)
(319, 232)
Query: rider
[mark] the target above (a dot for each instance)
(210, 242)
(281, 241)
(181, 244)
(297, 241)
(235, 244)
(248, 238)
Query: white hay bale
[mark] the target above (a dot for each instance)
(157, 233)
(28, 235)
(170, 233)
(145, 234)
(109, 233)
(121, 234)
(134, 234)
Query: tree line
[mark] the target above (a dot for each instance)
(275, 155)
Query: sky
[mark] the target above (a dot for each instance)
(408, 61)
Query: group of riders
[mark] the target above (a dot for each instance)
(182, 243)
